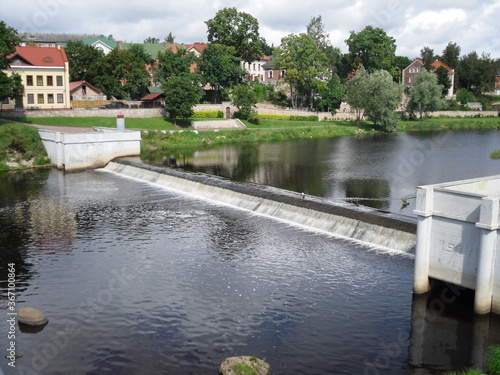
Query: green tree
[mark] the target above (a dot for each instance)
(122, 75)
(476, 73)
(245, 98)
(172, 63)
(220, 68)
(316, 30)
(236, 29)
(170, 38)
(377, 95)
(451, 55)
(464, 96)
(443, 79)
(425, 94)
(140, 53)
(427, 55)
(83, 61)
(372, 48)
(181, 95)
(331, 96)
(400, 63)
(151, 39)
(10, 84)
(306, 68)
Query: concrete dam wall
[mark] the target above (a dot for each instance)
(362, 224)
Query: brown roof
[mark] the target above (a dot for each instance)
(153, 96)
(74, 85)
(40, 56)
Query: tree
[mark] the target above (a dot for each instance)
(476, 74)
(236, 29)
(427, 55)
(443, 79)
(83, 61)
(306, 68)
(451, 55)
(122, 75)
(151, 39)
(377, 95)
(10, 84)
(400, 63)
(245, 98)
(425, 94)
(170, 38)
(140, 53)
(181, 95)
(220, 68)
(331, 96)
(316, 31)
(172, 63)
(372, 48)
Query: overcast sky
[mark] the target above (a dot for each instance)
(472, 24)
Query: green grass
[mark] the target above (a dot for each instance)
(495, 154)
(466, 372)
(493, 360)
(20, 144)
(243, 369)
(451, 123)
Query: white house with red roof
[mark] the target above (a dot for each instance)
(45, 75)
(413, 70)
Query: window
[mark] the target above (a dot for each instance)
(59, 80)
(50, 81)
(31, 99)
(50, 98)
(60, 98)
(40, 99)
(29, 80)
(39, 80)
(270, 74)
(409, 79)
(5, 101)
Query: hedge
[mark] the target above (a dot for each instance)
(208, 114)
(265, 116)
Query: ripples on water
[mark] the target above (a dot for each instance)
(135, 280)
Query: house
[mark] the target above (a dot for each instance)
(255, 69)
(82, 90)
(50, 39)
(44, 73)
(102, 43)
(412, 71)
(271, 74)
(153, 100)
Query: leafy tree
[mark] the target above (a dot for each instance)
(372, 48)
(151, 39)
(220, 68)
(170, 38)
(377, 95)
(10, 85)
(464, 96)
(451, 55)
(443, 79)
(427, 55)
(122, 75)
(306, 68)
(236, 29)
(182, 94)
(425, 94)
(83, 61)
(331, 96)
(400, 63)
(245, 98)
(316, 30)
(140, 53)
(476, 74)
(172, 63)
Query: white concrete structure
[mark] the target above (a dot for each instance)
(72, 152)
(458, 239)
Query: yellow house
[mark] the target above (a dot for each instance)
(45, 75)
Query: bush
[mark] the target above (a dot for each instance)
(208, 114)
(254, 118)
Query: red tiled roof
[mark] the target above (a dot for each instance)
(436, 64)
(153, 96)
(199, 46)
(40, 56)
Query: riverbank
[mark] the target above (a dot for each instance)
(21, 147)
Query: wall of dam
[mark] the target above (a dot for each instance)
(365, 225)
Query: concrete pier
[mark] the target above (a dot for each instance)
(457, 239)
(88, 150)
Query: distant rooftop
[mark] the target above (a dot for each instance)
(53, 37)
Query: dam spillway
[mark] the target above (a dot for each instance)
(365, 225)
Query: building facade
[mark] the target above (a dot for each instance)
(412, 71)
(45, 76)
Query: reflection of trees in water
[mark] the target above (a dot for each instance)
(368, 192)
(18, 190)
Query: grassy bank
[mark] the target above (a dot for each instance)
(492, 364)
(495, 154)
(21, 147)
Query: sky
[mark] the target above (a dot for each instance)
(472, 24)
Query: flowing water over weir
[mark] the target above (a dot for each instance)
(365, 225)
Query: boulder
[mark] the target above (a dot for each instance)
(31, 317)
(244, 365)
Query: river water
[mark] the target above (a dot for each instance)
(372, 170)
(137, 280)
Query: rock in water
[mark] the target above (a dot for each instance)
(31, 317)
(244, 365)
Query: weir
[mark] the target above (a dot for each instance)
(365, 225)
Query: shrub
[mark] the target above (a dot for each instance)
(266, 116)
(208, 114)
(254, 118)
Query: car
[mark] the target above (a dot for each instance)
(114, 105)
